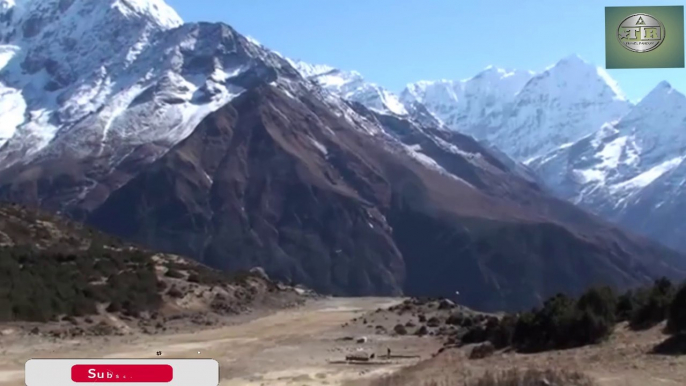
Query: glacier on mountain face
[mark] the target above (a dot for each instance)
(474, 106)
(630, 170)
(350, 85)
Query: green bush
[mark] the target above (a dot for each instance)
(562, 322)
(502, 334)
(627, 304)
(40, 285)
(676, 323)
(652, 304)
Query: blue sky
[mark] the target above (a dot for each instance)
(394, 42)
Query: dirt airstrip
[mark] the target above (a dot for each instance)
(292, 347)
(307, 345)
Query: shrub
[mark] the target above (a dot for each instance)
(562, 322)
(475, 334)
(653, 304)
(502, 334)
(455, 319)
(421, 331)
(173, 273)
(433, 322)
(601, 302)
(589, 328)
(676, 322)
(400, 329)
(39, 285)
(626, 306)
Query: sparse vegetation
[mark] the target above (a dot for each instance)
(511, 377)
(517, 377)
(38, 285)
(565, 322)
(400, 329)
(53, 269)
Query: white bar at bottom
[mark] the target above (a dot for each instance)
(57, 372)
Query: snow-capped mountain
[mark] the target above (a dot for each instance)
(631, 171)
(194, 139)
(476, 106)
(350, 85)
(570, 125)
(100, 77)
(561, 105)
(523, 113)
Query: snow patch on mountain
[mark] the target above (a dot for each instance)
(96, 79)
(649, 176)
(474, 106)
(524, 114)
(630, 167)
(350, 85)
(563, 104)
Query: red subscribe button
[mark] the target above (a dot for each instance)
(122, 373)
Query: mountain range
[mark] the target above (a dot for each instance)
(570, 127)
(192, 139)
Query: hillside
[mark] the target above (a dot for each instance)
(63, 273)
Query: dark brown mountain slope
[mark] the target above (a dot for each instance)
(285, 183)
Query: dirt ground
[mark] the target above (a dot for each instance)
(305, 346)
(290, 347)
(624, 360)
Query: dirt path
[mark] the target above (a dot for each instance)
(289, 346)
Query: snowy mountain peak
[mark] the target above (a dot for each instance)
(566, 102)
(33, 15)
(154, 10)
(494, 74)
(573, 67)
(662, 98)
(97, 77)
(663, 87)
(309, 70)
(573, 60)
(352, 86)
(476, 105)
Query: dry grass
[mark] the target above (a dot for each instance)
(512, 377)
(516, 377)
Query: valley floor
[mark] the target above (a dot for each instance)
(293, 346)
(305, 346)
